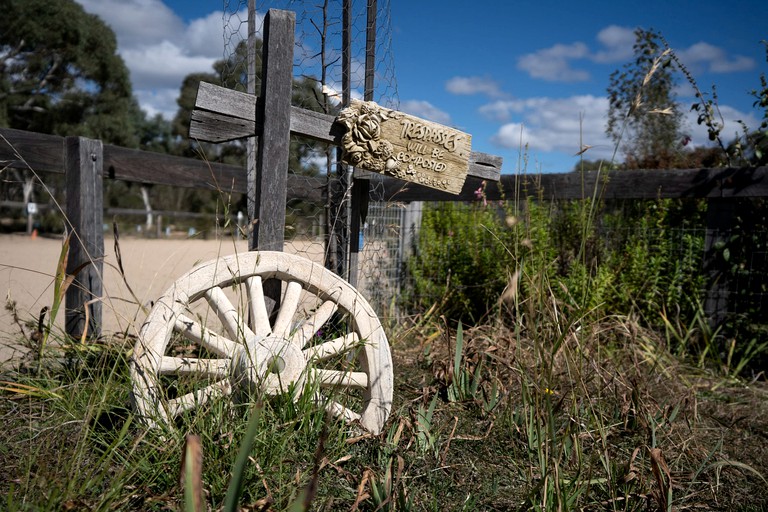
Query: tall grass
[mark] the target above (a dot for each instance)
(553, 402)
(555, 410)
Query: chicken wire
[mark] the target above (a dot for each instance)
(318, 69)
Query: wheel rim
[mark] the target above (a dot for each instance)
(218, 312)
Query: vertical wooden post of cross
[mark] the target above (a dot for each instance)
(84, 162)
(267, 181)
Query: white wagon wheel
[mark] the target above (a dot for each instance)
(236, 348)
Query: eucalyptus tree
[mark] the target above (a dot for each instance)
(644, 120)
(60, 73)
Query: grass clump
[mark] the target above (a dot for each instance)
(550, 404)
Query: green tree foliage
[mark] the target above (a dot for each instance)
(593, 165)
(757, 147)
(173, 137)
(643, 118)
(60, 73)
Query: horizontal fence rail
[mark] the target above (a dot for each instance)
(720, 187)
(39, 152)
(620, 184)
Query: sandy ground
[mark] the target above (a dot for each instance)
(27, 268)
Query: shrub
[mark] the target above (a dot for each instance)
(616, 258)
(462, 260)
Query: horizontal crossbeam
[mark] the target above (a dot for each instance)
(222, 115)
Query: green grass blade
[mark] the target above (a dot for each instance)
(235, 485)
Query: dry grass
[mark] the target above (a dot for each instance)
(542, 408)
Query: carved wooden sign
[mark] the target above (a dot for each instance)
(403, 146)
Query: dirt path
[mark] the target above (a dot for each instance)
(28, 266)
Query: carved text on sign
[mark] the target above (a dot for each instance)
(396, 144)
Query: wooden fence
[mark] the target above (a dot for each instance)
(87, 163)
(722, 188)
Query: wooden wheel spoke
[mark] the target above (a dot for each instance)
(198, 397)
(258, 307)
(238, 343)
(288, 308)
(228, 314)
(333, 378)
(341, 411)
(193, 331)
(218, 368)
(313, 324)
(331, 348)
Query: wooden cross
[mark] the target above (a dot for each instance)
(222, 115)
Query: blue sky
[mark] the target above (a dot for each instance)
(510, 73)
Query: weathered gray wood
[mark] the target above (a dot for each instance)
(221, 115)
(339, 237)
(211, 125)
(316, 126)
(29, 150)
(229, 102)
(267, 183)
(485, 166)
(270, 187)
(635, 184)
(43, 153)
(251, 143)
(155, 168)
(651, 184)
(370, 50)
(84, 160)
(361, 180)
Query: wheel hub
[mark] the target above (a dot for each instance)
(271, 365)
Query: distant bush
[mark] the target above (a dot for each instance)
(616, 258)
(462, 260)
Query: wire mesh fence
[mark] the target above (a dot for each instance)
(319, 83)
(643, 256)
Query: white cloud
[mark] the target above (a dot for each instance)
(163, 65)
(557, 124)
(713, 59)
(467, 85)
(136, 22)
(618, 44)
(160, 49)
(556, 63)
(562, 124)
(553, 64)
(425, 110)
(500, 111)
(205, 36)
(158, 101)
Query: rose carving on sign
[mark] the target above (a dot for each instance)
(362, 143)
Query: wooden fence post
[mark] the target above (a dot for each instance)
(84, 162)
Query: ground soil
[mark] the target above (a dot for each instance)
(28, 266)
